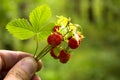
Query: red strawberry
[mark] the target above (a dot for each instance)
(53, 55)
(54, 39)
(64, 57)
(56, 28)
(73, 43)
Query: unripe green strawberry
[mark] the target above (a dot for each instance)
(56, 28)
(64, 57)
(73, 43)
(54, 39)
(53, 55)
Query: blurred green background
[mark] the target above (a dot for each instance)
(97, 58)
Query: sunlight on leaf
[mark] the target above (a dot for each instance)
(45, 31)
(39, 16)
(20, 28)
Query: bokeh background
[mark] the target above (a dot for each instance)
(97, 58)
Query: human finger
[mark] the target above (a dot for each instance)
(23, 70)
(10, 58)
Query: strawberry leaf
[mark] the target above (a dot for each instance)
(45, 31)
(20, 28)
(39, 17)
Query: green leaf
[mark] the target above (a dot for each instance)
(39, 17)
(45, 31)
(20, 28)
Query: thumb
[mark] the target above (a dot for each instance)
(23, 70)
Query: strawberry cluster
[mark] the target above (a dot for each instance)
(63, 39)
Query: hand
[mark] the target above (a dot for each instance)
(16, 65)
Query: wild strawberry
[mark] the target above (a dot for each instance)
(54, 39)
(53, 55)
(56, 28)
(73, 43)
(64, 57)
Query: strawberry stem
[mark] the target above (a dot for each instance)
(36, 45)
(44, 52)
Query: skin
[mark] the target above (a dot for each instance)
(16, 65)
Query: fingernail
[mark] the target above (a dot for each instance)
(29, 65)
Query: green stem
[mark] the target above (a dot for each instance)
(45, 48)
(36, 45)
(43, 52)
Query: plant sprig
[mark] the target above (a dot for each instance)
(36, 26)
(39, 28)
